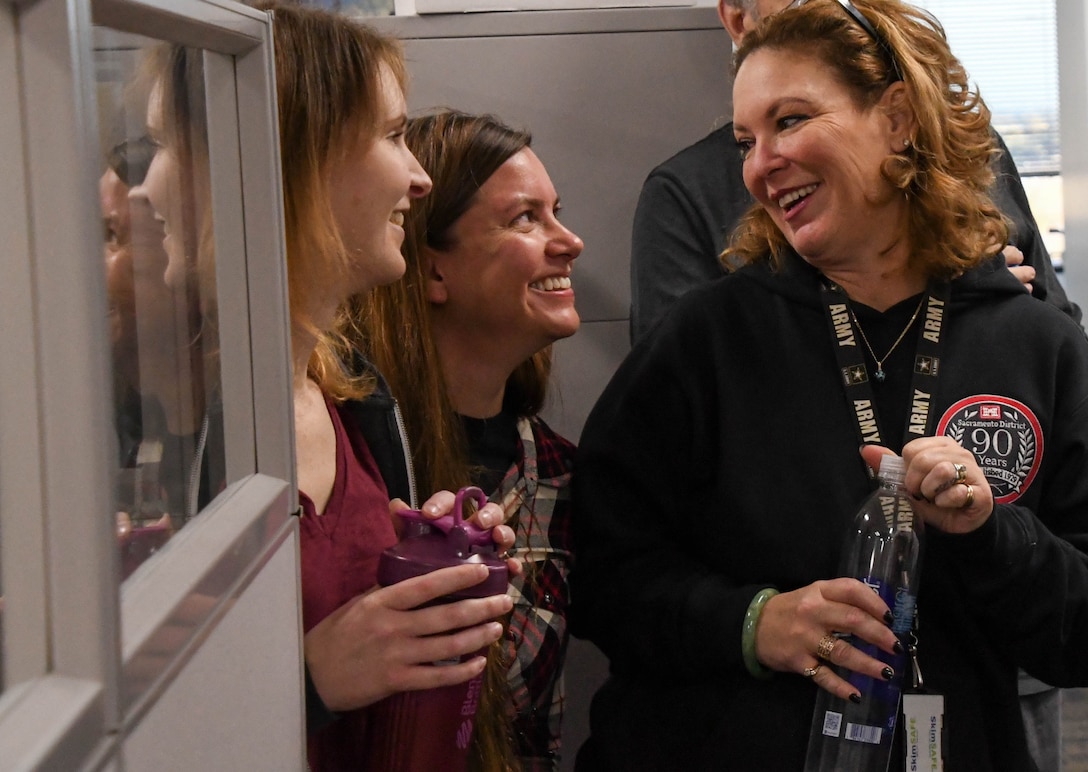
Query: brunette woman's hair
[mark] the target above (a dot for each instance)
(459, 152)
(945, 172)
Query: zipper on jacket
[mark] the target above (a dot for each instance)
(412, 493)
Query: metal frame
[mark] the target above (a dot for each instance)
(76, 649)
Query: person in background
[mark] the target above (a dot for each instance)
(465, 341)
(348, 182)
(719, 471)
(154, 336)
(690, 204)
(127, 164)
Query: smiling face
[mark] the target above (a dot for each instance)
(505, 281)
(149, 320)
(162, 188)
(371, 187)
(813, 158)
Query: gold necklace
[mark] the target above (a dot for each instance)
(880, 375)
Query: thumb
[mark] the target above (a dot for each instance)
(395, 506)
(872, 455)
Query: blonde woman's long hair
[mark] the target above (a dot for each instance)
(329, 88)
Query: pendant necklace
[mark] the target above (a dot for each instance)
(880, 375)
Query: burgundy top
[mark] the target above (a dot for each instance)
(340, 551)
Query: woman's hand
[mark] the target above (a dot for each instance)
(488, 516)
(794, 625)
(1014, 259)
(950, 491)
(381, 642)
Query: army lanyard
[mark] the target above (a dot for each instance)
(847, 341)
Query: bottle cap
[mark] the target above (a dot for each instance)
(430, 544)
(892, 469)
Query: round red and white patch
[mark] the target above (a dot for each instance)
(1005, 437)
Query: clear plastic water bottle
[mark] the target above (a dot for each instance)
(432, 729)
(883, 550)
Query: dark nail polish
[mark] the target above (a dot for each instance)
(855, 698)
(888, 673)
(888, 618)
(897, 647)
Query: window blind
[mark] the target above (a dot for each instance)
(1010, 51)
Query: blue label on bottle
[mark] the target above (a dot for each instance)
(902, 611)
(886, 693)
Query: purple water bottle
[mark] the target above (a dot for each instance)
(431, 729)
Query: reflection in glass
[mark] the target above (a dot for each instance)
(160, 277)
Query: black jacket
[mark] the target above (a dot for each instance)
(722, 459)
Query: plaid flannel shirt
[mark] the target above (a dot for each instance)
(535, 493)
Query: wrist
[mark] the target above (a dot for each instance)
(748, 633)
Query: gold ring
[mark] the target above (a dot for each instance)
(970, 496)
(810, 672)
(825, 646)
(961, 474)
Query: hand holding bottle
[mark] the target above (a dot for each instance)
(385, 640)
(793, 624)
(882, 550)
(488, 516)
(381, 642)
(433, 728)
(949, 489)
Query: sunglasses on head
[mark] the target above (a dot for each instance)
(870, 30)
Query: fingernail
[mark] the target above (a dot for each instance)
(855, 698)
(897, 647)
(481, 575)
(888, 618)
(484, 519)
(888, 673)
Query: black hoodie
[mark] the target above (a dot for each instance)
(722, 458)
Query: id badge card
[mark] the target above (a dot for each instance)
(923, 731)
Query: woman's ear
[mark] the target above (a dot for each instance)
(902, 123)
(435, 277)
